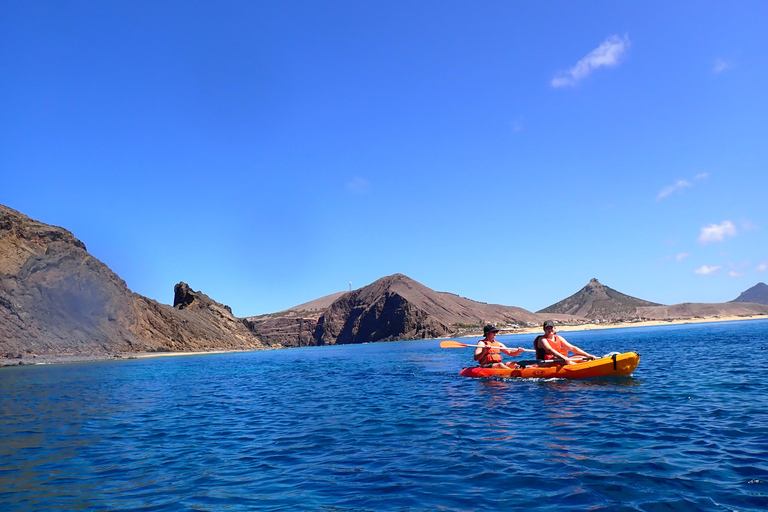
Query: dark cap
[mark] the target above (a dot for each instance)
(549, 323)
(489, 328)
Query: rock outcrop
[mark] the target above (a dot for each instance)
(598, 302)
(757, 294)
(57, 299)
(392, 308)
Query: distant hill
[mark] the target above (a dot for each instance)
(757, 294)
(57, 299)
(598, 302)
(702, 310)
(392, 308)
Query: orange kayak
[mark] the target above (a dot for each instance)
(613, 366)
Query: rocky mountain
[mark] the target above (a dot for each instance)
(758, 294)
(598, 302)
(392, 308)
(55, 298)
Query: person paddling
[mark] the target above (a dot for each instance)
(489, 354)
(552, 346)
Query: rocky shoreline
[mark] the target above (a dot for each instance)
(31, 359)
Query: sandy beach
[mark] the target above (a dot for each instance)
(648, 323)
(75, 358)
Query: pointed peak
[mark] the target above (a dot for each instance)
(594, 284)
(758, 293)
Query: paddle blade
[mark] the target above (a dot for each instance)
(452, 344)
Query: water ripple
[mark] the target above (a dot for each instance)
(390, 427)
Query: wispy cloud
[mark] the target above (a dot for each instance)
(747, 225)
(721, 65)
(679, 185)
(608, 54)
(717, 232)
(682, 256)
(358, 186)
(734, 273)
(762, 267)
(705, 270)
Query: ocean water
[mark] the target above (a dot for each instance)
(391, 426)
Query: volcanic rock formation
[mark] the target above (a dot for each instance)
(757, 294)
(55, 298)
(598, 302)
(393, 308)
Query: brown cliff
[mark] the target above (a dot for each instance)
(392, 308)
(57, 299)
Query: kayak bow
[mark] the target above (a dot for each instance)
(613, 366)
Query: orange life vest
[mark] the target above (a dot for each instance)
(490, 355)
(556, 345)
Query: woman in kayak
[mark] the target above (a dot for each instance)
(552, 346)
(489, 354)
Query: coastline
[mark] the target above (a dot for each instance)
(39, 360)
(646, 323)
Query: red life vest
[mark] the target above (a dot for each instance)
(556, 345)
(490, 355)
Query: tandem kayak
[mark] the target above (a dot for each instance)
(610, 366)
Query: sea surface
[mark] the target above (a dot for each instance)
(391, 426)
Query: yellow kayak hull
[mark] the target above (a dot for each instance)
(613, 366)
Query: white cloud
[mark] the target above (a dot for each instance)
(682, 256)
(705, 270)
(358, 186)
(734, 273)
(679, 184)
(608, 54)
(720, 66)
(762, 267)
(717, 232)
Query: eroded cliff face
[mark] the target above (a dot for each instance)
(57, 299)
(392, 308)
(388, 316)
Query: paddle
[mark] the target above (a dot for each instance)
(456, 344)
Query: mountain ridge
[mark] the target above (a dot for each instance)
(393, 307)
(598, 302)
(757, 294)
(56, 298)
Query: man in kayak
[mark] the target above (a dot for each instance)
(551, 346)
(489, 354)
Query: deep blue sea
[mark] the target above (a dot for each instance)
(391, 426)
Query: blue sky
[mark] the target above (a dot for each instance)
(269, 153)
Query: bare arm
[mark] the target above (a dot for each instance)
(544, 343)
(479, 350)
(512, 352)
(576, 350)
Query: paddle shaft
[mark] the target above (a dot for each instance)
(456, 344)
